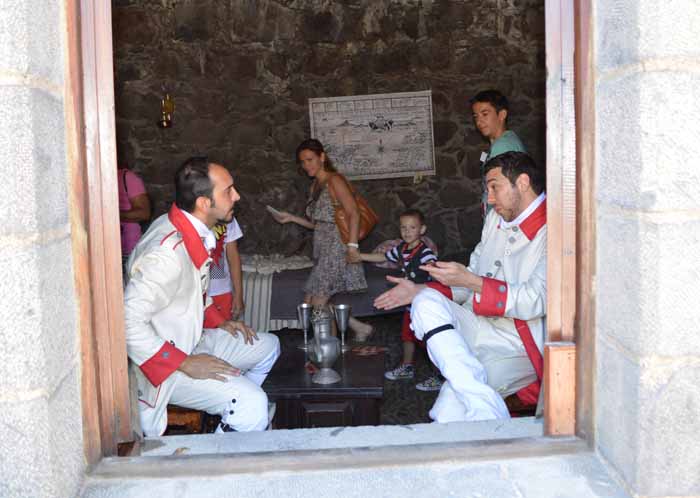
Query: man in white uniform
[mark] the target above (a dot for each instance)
(486, 331)
(219, 369)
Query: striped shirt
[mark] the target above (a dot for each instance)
(411, 259)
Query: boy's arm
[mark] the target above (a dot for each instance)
(373, 257)
(233, 258)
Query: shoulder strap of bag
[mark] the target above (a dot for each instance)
(331, 190)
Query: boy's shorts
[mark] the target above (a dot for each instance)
(407, 334)
(224, 304)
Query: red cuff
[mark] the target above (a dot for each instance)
(494, 295)
(213, 317)
(442, 289)
(159, 366)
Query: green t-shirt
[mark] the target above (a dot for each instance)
(508, 142)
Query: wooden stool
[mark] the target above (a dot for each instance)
(519, 409)
(185, 420)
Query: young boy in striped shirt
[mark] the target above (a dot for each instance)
(411, 253)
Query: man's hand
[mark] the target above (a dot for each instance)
(238, 307)
(401, 295)
(233, 327)
(453, 275)
(204, 366)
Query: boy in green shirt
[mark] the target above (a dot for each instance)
(490, 112)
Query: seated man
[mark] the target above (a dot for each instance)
(489, 346)
(219, 369)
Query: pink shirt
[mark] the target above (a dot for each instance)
(131, 231)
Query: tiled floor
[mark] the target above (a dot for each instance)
(403, 403)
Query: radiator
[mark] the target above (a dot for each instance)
(257, 290)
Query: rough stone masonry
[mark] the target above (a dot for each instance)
(241, 72)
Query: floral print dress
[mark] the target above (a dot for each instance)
(331, 274)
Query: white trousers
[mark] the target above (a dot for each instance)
(240, 401)
(465, 396)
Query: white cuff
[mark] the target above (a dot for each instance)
(353, 244)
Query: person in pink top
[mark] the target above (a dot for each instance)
(134, 207)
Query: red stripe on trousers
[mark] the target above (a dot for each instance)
(530, 393)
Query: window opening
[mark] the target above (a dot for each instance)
(340, 409)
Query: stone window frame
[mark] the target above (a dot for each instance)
(570, 185)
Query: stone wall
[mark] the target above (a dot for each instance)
(41, 443)
(241, 72)
(648, 222)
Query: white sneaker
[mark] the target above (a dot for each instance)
(404, 371)
(433, 383)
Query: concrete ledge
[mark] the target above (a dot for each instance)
(203, 466)
(341, 437)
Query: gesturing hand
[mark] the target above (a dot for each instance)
(233, 327)
(401, 295)
(204, 366)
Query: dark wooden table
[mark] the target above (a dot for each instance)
(354, 400)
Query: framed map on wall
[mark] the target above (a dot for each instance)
(376, 136)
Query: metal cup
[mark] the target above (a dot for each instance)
(342, 317)
(304, 316)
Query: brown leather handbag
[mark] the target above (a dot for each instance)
(368, 218)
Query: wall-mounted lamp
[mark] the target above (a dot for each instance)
(167, 108)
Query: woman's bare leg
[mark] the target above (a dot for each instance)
(317, 300)
(362, 330)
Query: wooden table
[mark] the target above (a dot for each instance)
(355, 400)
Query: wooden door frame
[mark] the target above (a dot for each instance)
(91, 149)
(584, 323)
(96, 246)
(570, 352)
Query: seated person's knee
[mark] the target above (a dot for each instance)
(276, 345)
(427, 297)
(254, 412)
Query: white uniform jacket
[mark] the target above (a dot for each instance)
(164, 304)
(513, 264)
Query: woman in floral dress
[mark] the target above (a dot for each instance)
(337, 266)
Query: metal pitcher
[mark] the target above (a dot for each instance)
(322, 322)
(324, 349)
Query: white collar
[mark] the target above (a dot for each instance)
(524, 215)
(204, 232)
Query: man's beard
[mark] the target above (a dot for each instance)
(515, 201)
(228, 218)
(225, 219)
